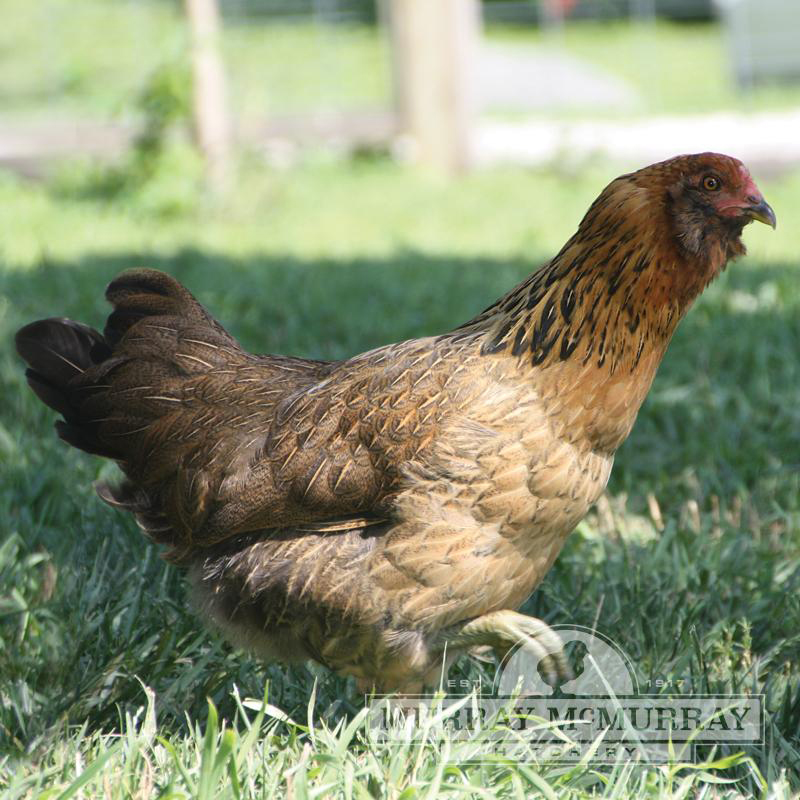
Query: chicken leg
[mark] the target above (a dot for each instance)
(504, 630)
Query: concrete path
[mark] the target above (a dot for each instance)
(766, 141)
(525, 78)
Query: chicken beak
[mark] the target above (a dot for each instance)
(761, 211)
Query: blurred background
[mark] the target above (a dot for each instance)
(451, 84)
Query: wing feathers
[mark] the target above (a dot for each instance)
(216, 442)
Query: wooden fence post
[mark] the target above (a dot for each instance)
(211, 122)
(434, 50)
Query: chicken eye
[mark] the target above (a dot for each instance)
(711, 183)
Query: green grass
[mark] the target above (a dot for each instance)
(674, 68)
(324, 261)
(55, 63)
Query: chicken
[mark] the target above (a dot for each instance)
(383, 514)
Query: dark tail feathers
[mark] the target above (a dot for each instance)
(70, 364)
(58, 351)
(140, 293)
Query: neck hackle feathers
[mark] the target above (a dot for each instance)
(646, 248)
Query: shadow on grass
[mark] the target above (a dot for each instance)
(722, 420)
(724, 398)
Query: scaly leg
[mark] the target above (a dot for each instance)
(503, 630)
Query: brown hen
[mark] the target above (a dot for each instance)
(383, 514)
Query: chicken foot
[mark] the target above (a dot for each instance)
(503, 631)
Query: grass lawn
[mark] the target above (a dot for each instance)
(104, 670)
(54, 62)
(675, 68)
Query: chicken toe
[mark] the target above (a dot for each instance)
(506, 630)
